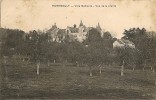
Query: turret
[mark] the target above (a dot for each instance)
(54, 26)
(98, 27)
(81, 24)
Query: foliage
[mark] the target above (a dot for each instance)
(144, 42)
(96, 49)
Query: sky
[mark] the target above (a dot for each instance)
(40, 14)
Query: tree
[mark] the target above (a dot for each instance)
(12, 41)
(145, 43)
(142, 43)
(93, 36)
(98, 50)
(108, 40)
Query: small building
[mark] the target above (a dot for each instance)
(122, 43)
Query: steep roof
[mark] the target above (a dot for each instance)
(81, 24)
(53, 27)
(98, 27)
(73, 29)
(119, 40)
(124, 41)
(127, 41)
(61, 31)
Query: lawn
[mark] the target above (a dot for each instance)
(71, 82)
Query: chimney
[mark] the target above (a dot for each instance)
(74, 25)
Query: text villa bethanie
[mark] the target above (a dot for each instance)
(84, 6)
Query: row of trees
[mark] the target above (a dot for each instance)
(37, 46)
(95, 50)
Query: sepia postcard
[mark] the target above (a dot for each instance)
(77, 49)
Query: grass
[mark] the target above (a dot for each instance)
(58, 82)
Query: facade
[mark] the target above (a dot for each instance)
(77, 33)
(122, 43)
(52, 33)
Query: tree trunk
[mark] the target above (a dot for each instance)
(48, 63)
(133, 68)
(153, 70)
(90, 71)
(143, 69)
(23, 59)
(122, 69)
(2, 79)
(77, 64)
(5, 61)
(54, 61)
(38, 68)
(144, 66)
(100, 68)
(28, 59)
(3, 75)
(63, 63)
(4, 69)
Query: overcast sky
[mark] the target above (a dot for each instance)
(39, 14)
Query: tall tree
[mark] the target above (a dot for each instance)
(144, 42)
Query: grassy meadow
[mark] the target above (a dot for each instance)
(72, 82)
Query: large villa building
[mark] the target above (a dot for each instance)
(74, 32)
